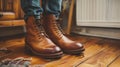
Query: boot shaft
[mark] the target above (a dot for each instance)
(34, 29)
(51, 27)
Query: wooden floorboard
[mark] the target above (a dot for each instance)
(17, 46)
(73, 61)
(116, 62)
(100, 52)
(104, 58)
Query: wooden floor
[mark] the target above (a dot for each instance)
(100, 52)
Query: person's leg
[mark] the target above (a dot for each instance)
(36, 40)
(31, 8)
(52, 9)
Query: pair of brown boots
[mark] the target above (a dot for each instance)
(45, 39)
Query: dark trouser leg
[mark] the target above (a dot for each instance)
(52, 7)
(31, 8)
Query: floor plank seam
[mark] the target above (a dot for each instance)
(113, 61)
(87, 58)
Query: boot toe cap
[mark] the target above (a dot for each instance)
(74, 48)
(52, 50)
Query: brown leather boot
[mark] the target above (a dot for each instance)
(53, 31)
(38, 43)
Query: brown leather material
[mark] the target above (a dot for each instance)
(38, 42)
(55, 34)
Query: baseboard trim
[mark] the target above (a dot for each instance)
(95, 35)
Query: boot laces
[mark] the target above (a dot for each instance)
(58, 30)
(38, 29)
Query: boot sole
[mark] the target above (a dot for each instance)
(74, 52)
(46, 56)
